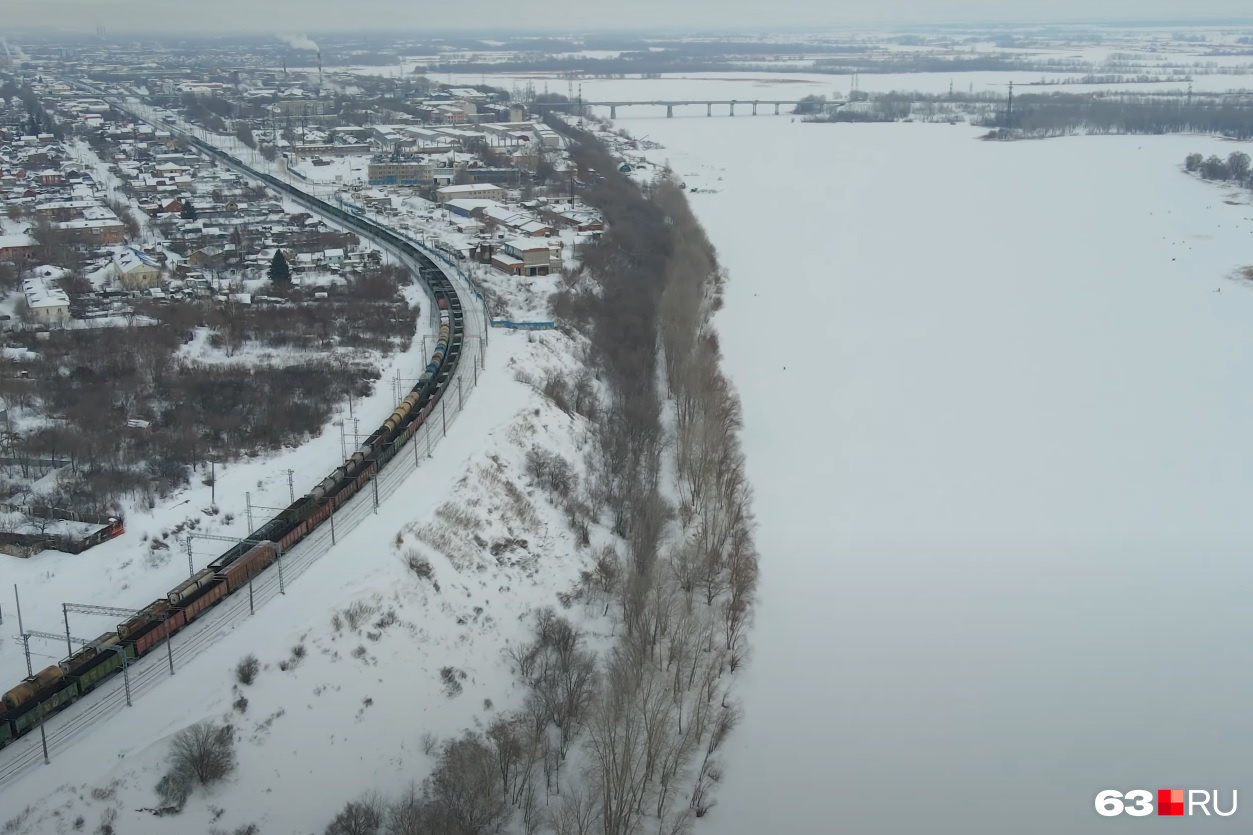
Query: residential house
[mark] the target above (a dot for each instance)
(135, 269)
(16, 246)
(48, 303)
(523, 256)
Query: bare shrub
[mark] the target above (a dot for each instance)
(107, 818)
(247, 669)
(419, 564)
(359, 612)
(241, 704)
(430, 743)
(557, 390)
(551, 472)
(298, 651)
(173, 789)
(449, 676)
(204, 752)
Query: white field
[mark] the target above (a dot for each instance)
(997, 415)
(351, 715)
(998, 486)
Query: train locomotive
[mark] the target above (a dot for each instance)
(50, 690)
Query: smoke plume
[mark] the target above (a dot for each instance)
(298, 42)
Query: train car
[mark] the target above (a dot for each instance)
(256, 560)
(7, 732)
(24, 706)
(210, 596)
(17, 697)
(97, 661)
(193, 587)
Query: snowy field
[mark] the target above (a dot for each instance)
(998, 441)
(996, 402)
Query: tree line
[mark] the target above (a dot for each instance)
(1235, 167)
(628, 740)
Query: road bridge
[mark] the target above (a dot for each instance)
(709, 104)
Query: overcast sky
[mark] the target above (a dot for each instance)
(330, 15)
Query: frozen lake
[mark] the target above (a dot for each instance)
(997, 414)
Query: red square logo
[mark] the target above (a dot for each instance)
(1170, 801)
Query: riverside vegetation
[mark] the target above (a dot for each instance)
(629, 739)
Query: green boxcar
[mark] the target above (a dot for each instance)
(49, 705)
(108, 665)
(60, 699)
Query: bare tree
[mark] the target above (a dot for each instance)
(204, 752)
(575, 814)
(363, 816)
(466, 789)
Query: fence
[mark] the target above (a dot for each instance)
(524, 326)
(146, 673)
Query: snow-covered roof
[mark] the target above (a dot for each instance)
(12, 241)
(130, 259)
(467, 204)
(40, 294)
(469, 188)
(527, 244)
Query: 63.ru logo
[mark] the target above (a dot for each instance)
(1139, 802)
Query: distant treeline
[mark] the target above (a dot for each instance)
(1051, 114)
(1062, 114)
(831, 60)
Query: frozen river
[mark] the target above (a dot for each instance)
(1000, 421)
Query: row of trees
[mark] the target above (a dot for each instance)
(628, 741)
(1061, 114)
(1235, 167)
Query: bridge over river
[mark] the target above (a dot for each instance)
(709, 104)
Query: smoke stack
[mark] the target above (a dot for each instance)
(319, 73)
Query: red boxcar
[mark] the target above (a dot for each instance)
(249, 566)
(215, 593)
(295, 535)
(168, 627)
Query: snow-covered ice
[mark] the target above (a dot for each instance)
(996, 410)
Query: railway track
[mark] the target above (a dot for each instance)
(340, 497)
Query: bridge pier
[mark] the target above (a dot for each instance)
(613, 112)
(754, 108)
(732, 108)
(776, 108)
(709, 109)
(669, 111)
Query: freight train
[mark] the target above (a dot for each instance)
(24, 707)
